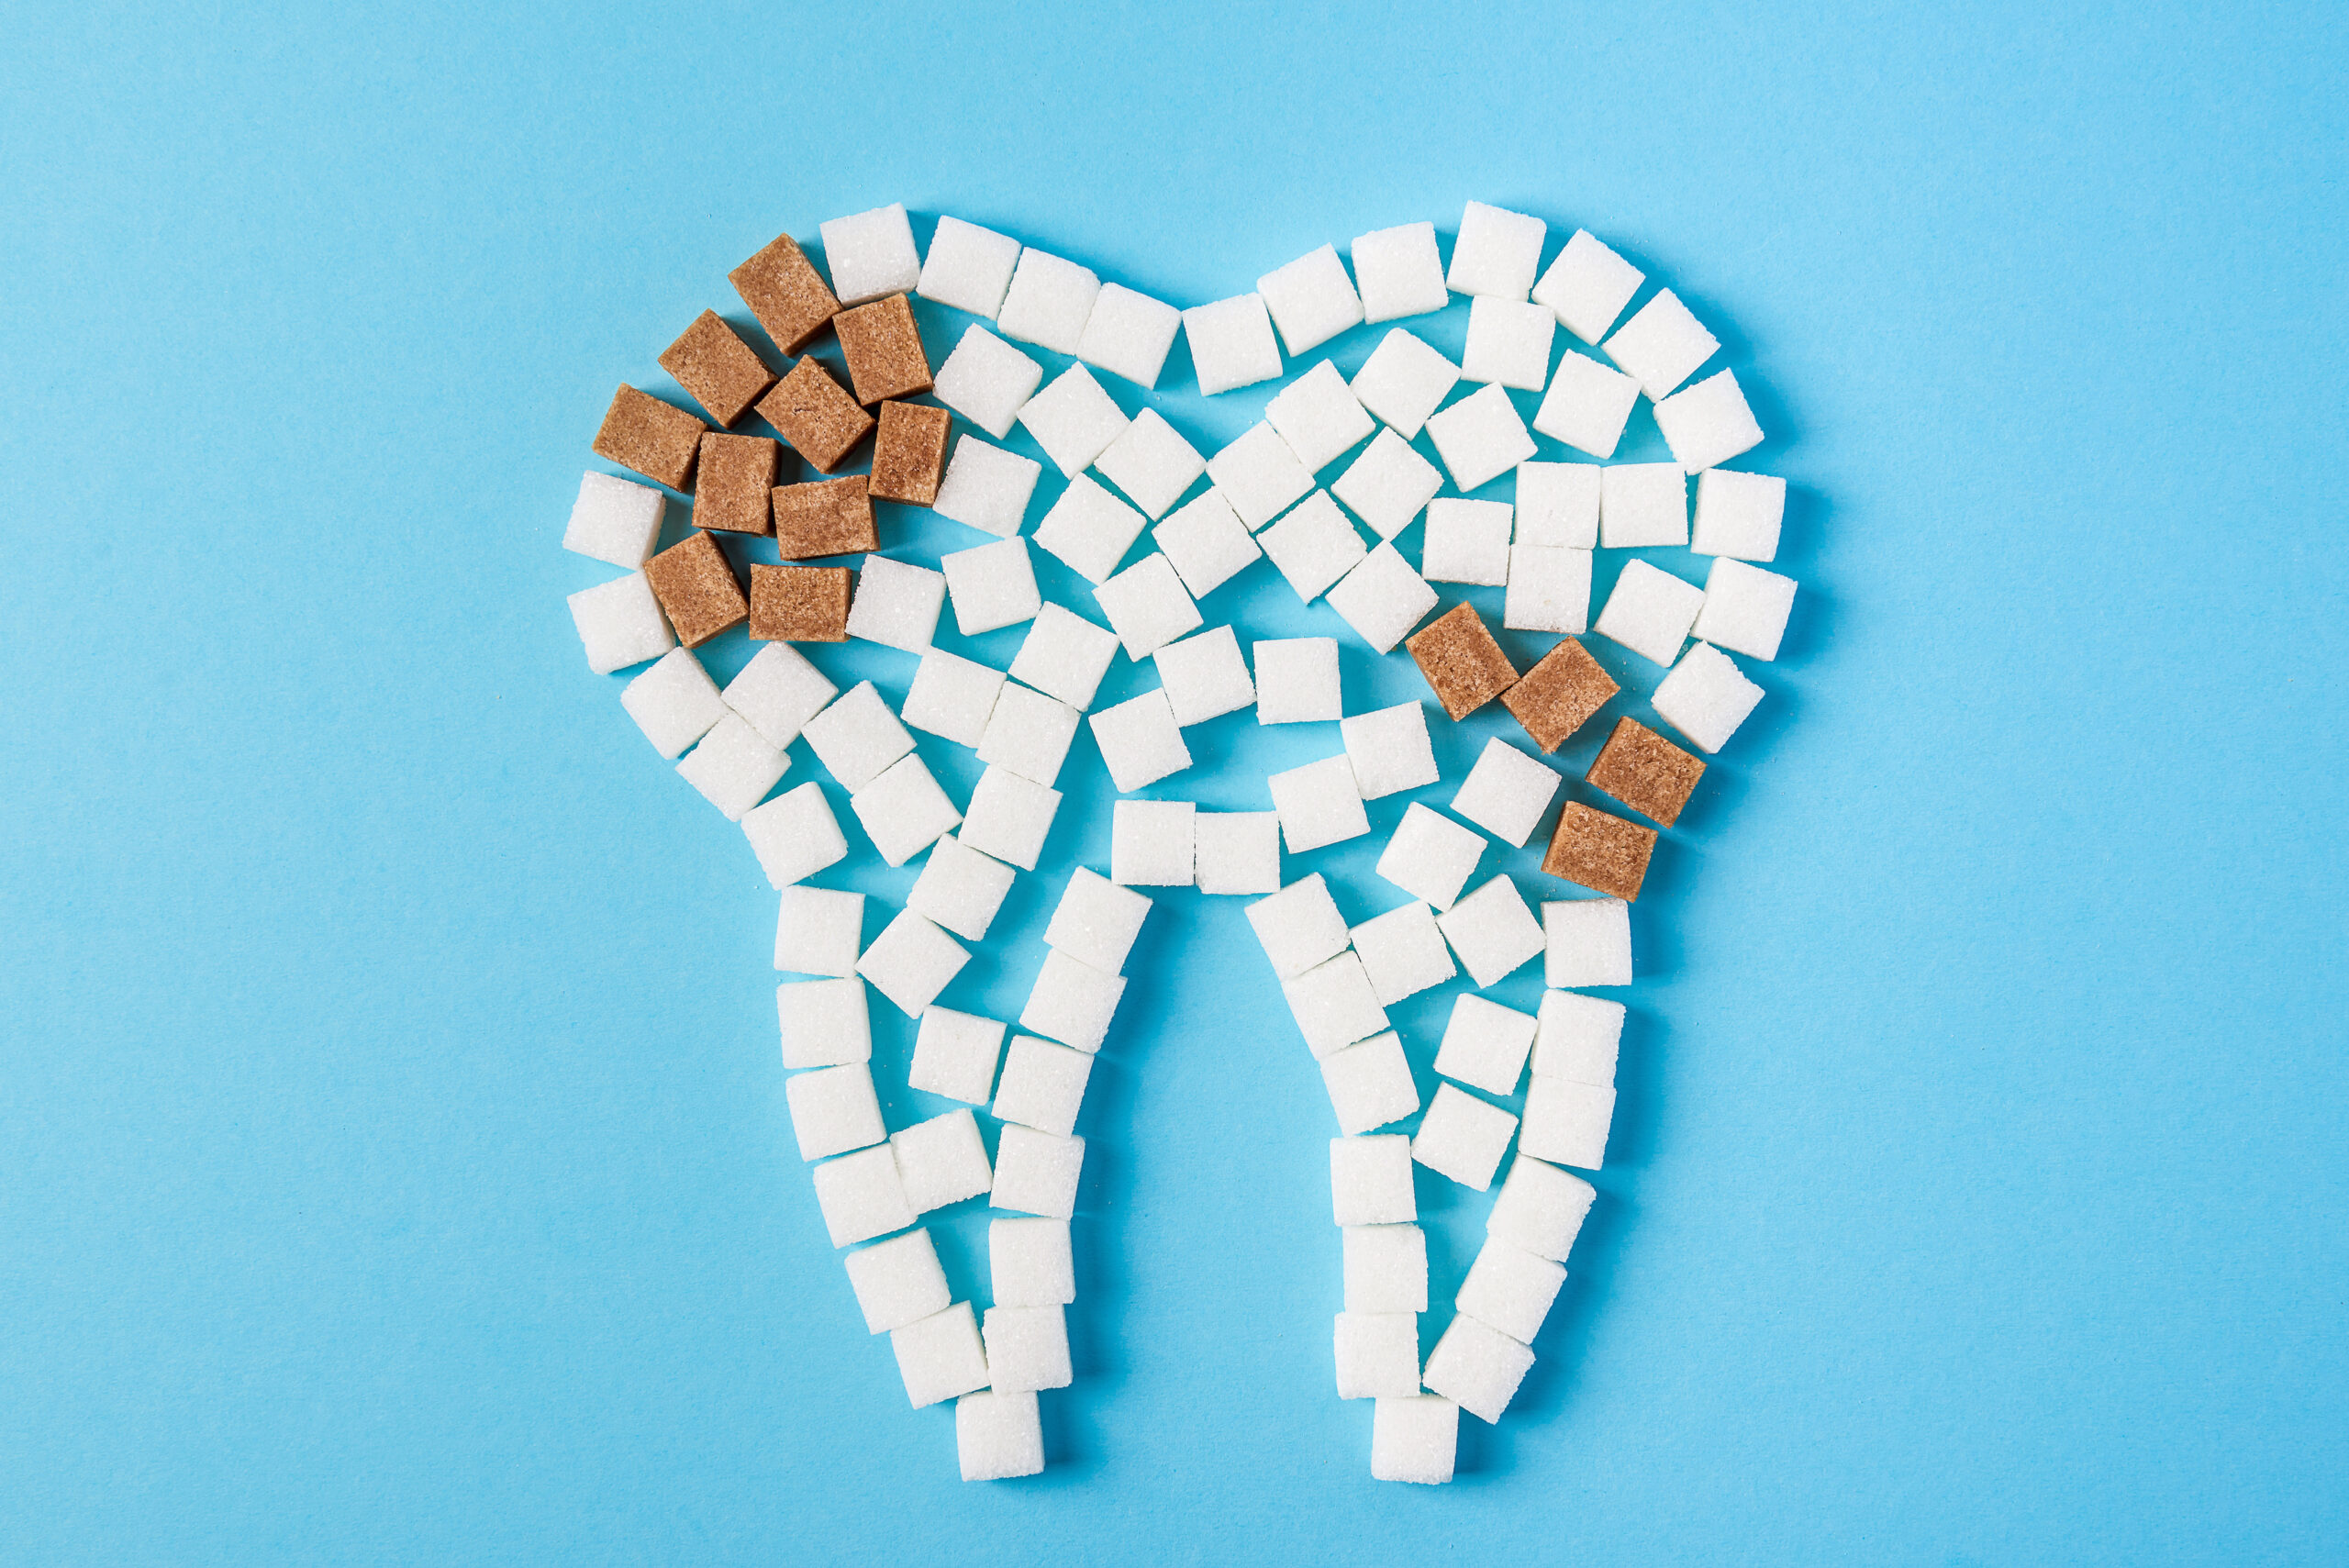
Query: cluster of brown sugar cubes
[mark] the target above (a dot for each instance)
(1468, 669)
(734, 478)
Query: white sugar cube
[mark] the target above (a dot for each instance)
(941, 1161)
(1588, 404)
(1579, 1038)
(1496, 253)
(1150, 844)
(1510, 1290)
(1008, 818)
(1466, 541)
(1319, 417)
(1463, 1137)
(1029, 733)
(959, 888)
(896, 603)
(1205, 675)
(1650, 611)
(954, 1055)
(987, 487)
(1147, 606)
(733, 767)
(998, 1436)
(1141, 743)
(1508, 343)
(1381, 599)
(987, 382)
(1151, 463)
(1588, 942)
(1431, 855)
(1370, 1083)
(1643, 505)
(1089, 530)
(1398, 272)
(1403, 381)
(1319, 804)
(1708, 423)
(1540, 1209)
(1745, 611)
(1480, 437)
(861, 1195)
(1072, 1002)
(1237, 851)
(992, 586)
(904, 811)
(1299, 926)
(1565, 1121)
(1477, 1367)
(620, 623)
(1027, 1348)
(1042, 1087)
(897, 1282)
(833, 1110)
(1334, 1003)
(1557, 504)
(1386, 1268)
(1706, 697)
(1313, 546)
(1506, 793)
(968, 267)
(1028, 1263)
(615, 520)
(951, 696)
(1387, 485)
(819, 931)
(1588, 286)
(939, 1356)
(1737, 514)
(675, 702)
(824, 1023)
(795, 835)
(1048, 302)
(1549, 590)
(1389, 749)
(1232, 343)
(778, 692)
(1065, 656)
(1129, 334)
(1414, 1440)
(1072, 420)
(1402, 953)
(1370, 1180)
(1377, 1355)
(1661, 345)
(1492, 930)
(1486, 1044)
(911, 961)
(1296, 680)
(1036, 1172)
(871, 254)
(1312, 299)
(1206, 541)
(1259, 476)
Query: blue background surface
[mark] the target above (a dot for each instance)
(397, 1169)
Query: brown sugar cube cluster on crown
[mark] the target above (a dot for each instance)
(737, 476)
(799, 604)
(697, 588)
(1461, 661)
(883, 349)
(909, 453)
(825, 517)
(655, 438)
(1558, 695)
(720, 372)
(816, 415)
(786, 294)
(1645, 771)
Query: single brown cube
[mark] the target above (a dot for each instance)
(785, 292)
(737, 474)
(909, 453)
(696, 587)
(643, 433)
(723, 373)
(825, 517)
(1558, 694)
(1600, 851)
(799, 604)
(884, 357)
(809, 408)
(1461, 661)
(1645, 771)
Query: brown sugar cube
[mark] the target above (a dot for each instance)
(698, 589)
(737, 473)
(825, 517)
(787, 292)
(809, 409)
(643, 433)
(909, 453)
(723, 373)
(1600, 851)
(799, 604)
(1645, 771)
(1461, 661)
(1558, 694)
(884, 357)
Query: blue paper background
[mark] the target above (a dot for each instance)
(396, 1162)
